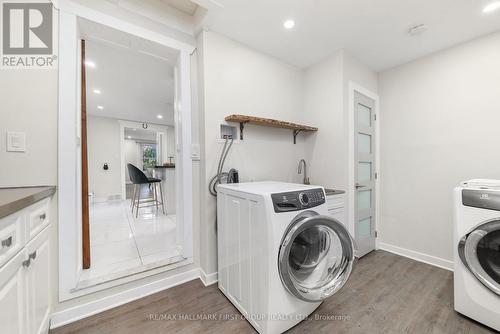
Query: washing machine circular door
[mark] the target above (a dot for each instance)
(479, 251)
(316, 257)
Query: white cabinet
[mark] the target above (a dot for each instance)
(13, 296)
(25, 271)
(12, 236)
(336, 207)
(37, 283)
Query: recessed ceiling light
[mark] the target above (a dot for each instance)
(100, 107)
(97, 91)
(159, 116)
(129, 137)
(289, 24)
(134, 129)
(491, 7)
(90, 63)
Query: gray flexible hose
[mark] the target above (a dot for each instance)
(219, 177)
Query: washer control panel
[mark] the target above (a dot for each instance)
(298, 200)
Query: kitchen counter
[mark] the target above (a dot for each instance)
(331, 192)
(18, 198)
(168, 181)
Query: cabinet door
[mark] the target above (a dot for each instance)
(13, 296)
(38, 283)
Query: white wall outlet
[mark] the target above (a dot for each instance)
(16, 141)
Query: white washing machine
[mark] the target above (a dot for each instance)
(279, 254)
(477, 251)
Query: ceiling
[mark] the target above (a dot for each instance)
(134, 76)
(140, 134)
(186, 6)
(375, 32)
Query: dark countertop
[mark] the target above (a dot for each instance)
(18, 198)
(169, 166)
(330, 192)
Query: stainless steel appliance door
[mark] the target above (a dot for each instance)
(479, 251)
(316, 257)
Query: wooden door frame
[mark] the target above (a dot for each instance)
(85, 166)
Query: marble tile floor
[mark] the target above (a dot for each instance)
(122, 244)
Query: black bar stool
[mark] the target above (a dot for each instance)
(138, 178)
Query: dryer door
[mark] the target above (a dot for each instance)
(316, 257)
(480, 253)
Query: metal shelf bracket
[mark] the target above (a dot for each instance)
(295, 133)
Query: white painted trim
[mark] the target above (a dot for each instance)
(354, 87)
(417, 256)
(92, 307)
(68, 148)
(91, 14)
(209, 4)
(183, 128)
(208, 279)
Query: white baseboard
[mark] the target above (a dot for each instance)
(208, 279)
(417, 256)
(90, 308)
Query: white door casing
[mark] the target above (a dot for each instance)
(68, 141)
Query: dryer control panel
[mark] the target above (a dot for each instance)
(298, 200)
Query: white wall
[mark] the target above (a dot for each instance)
(439, 126)
(327, 105)
(170, 144)
(103, 141)
(323, 107)
(239, 80)
(28, 101)
(132, 156)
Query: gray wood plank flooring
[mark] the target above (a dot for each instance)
(386, 294)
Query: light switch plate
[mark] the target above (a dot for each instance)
(195, 152)
(16, 141)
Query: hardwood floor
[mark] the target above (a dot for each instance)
(386, 294)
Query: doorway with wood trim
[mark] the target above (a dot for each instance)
(128, 140)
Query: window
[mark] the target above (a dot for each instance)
(148, 156)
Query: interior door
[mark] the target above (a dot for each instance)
(316, 257)
(364, 148)
(85, 168)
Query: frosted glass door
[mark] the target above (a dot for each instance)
(364, 137)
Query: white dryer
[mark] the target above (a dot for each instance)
(279, 254)
(477, 251)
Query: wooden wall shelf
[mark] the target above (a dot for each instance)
(296, 128)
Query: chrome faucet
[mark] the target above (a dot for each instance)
(306, 179)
